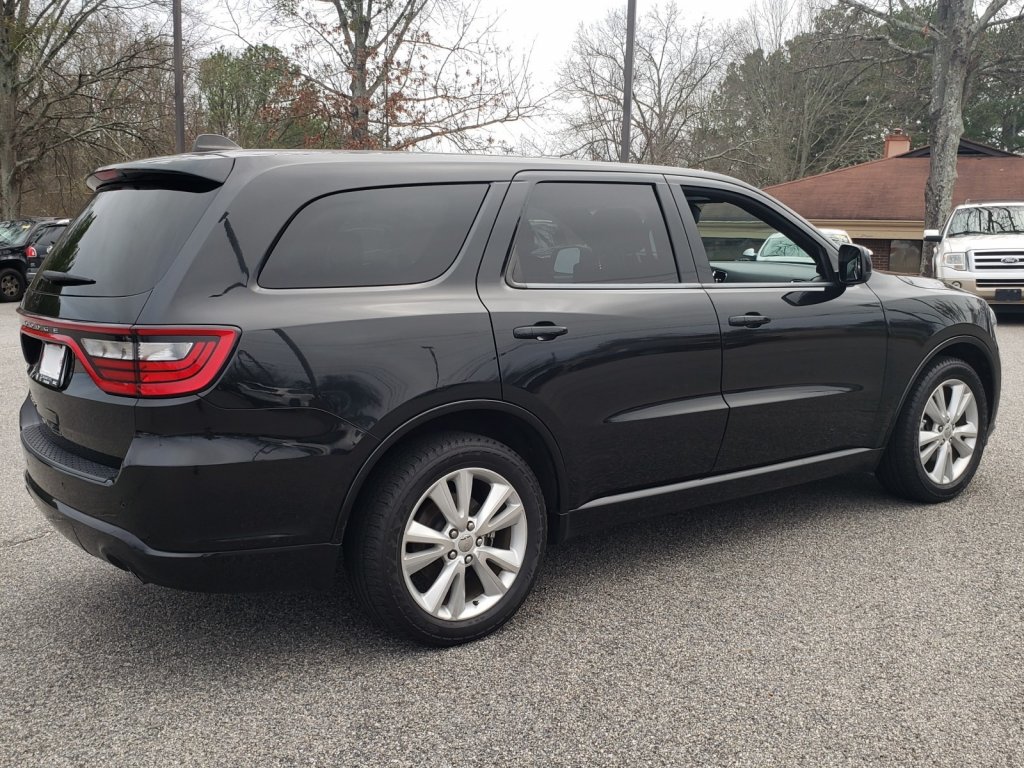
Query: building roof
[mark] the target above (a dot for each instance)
(893, 189)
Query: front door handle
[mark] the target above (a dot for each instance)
(540, 332)
(749, 320)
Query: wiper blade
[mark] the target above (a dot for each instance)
(66, 278)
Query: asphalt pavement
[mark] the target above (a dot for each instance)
(828, 625)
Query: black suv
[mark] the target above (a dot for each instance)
(24, 243)
(247, 368)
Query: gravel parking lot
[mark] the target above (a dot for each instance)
(826, 625)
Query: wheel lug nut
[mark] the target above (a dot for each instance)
(452, 555)
(453, 534)
(470, 525)
(468, 559)
(480, 542)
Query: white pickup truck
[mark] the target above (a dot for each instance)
(981, 250)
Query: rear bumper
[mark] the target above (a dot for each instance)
(310, 566)
(217, 513)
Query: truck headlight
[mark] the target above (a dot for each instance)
(955, 261)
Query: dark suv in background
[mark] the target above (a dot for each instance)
(24, 243)
(248, 368)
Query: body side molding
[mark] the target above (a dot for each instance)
(652, 502)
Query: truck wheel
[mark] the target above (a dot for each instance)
(939, 436)
(452, 533)
(12, 285)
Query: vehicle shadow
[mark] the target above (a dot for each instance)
(1010, 316)
(110, 613)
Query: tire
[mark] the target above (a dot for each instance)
(12, 284)
(910, 466)
(407, 567)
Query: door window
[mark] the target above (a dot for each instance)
(590, 233)
(745, 243)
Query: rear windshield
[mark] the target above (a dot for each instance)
(126, 239)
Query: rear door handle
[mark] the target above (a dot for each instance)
(749, 320)
(540, 332)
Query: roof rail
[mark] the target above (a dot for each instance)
(212, 142)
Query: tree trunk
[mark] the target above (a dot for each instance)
(10, 182)
(359, 109)
(951, 63)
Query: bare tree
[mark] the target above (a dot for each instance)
(70, 74)
(404, 73)
(806, 95)
(954, 31)
(677, 69)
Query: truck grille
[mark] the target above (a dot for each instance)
(1011, 283)
(1001, 260)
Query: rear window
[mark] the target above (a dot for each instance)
(387, 236)
(126, 239)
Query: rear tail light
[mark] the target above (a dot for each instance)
(31, 252)
(140, 360)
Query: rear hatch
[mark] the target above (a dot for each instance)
(84, 353)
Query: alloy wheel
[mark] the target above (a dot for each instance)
(948, 432)
(464, 544)
(9, 286)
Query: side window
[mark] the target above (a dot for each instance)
(592, 233)
(747, 245)
(385, 236)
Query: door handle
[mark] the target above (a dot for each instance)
(749, 320)
(540, 331)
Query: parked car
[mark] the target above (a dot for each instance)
(23, 245)
(426, 368)
(778, 247)
(981, 250)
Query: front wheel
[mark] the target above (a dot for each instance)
(939, 436)
(452, 533)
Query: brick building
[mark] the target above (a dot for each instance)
(881, 203)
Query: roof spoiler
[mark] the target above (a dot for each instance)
(196, 173)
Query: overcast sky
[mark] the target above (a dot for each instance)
(551, 24)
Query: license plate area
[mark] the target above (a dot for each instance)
(53, 364)
(1008, 294)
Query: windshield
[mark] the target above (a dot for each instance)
(14, 233)
(987, 220)
(778, 247)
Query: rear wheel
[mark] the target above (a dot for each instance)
(452, 533)
(12, 284)
(939, 436)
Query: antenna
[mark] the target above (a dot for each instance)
(212, 142)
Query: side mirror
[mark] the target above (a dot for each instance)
(749, 255)
(932, 236)
(854, 264)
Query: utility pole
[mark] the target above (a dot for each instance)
(179, 81)
(627, 85)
